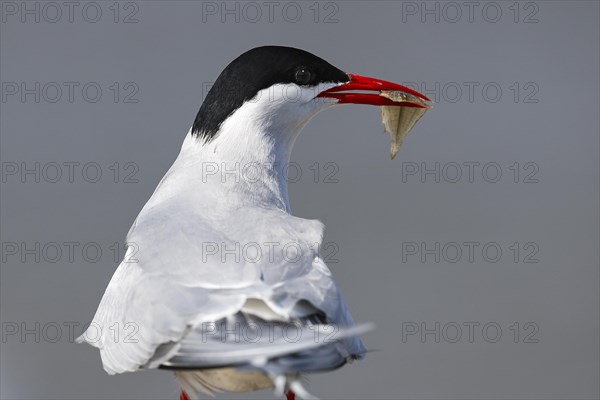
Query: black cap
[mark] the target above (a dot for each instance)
(255, 70)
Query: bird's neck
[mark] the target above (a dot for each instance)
(247, 164)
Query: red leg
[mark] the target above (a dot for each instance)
(183, 396)
(289, 395)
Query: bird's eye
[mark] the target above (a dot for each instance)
(303, 76)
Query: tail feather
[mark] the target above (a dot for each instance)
(251, 343)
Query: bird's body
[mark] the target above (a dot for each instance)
(211, 216)
(221, 283)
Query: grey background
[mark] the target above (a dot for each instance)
(170, 53)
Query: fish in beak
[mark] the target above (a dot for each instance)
(401, 107)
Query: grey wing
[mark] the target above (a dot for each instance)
(305, 344)
(156, 303)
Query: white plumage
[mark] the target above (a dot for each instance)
(172, 282)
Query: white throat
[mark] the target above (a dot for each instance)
(247, 161)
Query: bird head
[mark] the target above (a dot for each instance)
(279, 89)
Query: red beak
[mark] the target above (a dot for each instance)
(358, 82)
